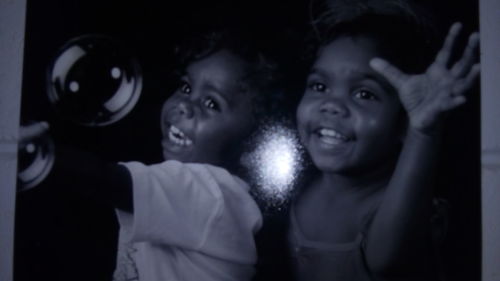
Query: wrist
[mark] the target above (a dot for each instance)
(430, 130)
(433, 133)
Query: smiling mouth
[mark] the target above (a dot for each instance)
(332, 137)
(177, 137)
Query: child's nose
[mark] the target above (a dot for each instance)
(334, 106)
(185, 108)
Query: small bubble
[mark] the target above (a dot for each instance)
(35, 162)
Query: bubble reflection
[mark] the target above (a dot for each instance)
(93, 81)
(35, 162)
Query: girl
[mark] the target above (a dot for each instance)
(371, 131)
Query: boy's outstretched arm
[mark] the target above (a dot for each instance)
(86, 174)
(398, 241)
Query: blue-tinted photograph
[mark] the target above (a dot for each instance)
(306, 140)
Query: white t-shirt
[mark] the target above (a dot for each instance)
(190, 222)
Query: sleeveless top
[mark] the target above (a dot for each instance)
(318, 261)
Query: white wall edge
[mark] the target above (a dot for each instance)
(489, 11)
(12, 23)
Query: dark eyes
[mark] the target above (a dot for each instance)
(185, 88)
(365, 95)
(207, 102)
(317, 87)
(359, 94)
(211, 104)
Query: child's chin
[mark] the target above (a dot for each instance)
(328, 166)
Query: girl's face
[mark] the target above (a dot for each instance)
(348, 116)
(208, 112)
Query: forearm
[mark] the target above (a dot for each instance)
(89, 177)
(399, 231)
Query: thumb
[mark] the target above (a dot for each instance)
(395, 76)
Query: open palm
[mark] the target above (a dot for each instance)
(441, 88)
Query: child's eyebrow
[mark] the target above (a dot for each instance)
(180, 74)
(359, 75)
(222, 93)
(379, 80)
(318, 72)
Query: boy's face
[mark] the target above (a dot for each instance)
(208, 112)
(348, 116)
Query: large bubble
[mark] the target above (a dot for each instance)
(94, 81)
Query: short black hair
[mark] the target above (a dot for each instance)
(408, 44)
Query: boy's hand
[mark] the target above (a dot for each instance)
(441, 88)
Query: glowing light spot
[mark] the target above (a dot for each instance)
(115, 72)
(276, 157)
(275, 163)
(30, 148)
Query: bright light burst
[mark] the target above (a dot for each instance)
(275, 163)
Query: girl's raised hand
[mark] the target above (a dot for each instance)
(441, 88)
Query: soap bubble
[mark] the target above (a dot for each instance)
(35, 161)
(93, 81)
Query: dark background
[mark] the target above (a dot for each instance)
(60, 236)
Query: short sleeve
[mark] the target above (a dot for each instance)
(193, 206)
(172, 204)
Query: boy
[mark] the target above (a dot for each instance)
(189, 218)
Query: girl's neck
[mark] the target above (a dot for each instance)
(357, 184)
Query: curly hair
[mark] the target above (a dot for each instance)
(263, 76)
(263, 80)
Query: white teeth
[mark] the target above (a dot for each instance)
(176, 130)
(176, 136)
(329, 133)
